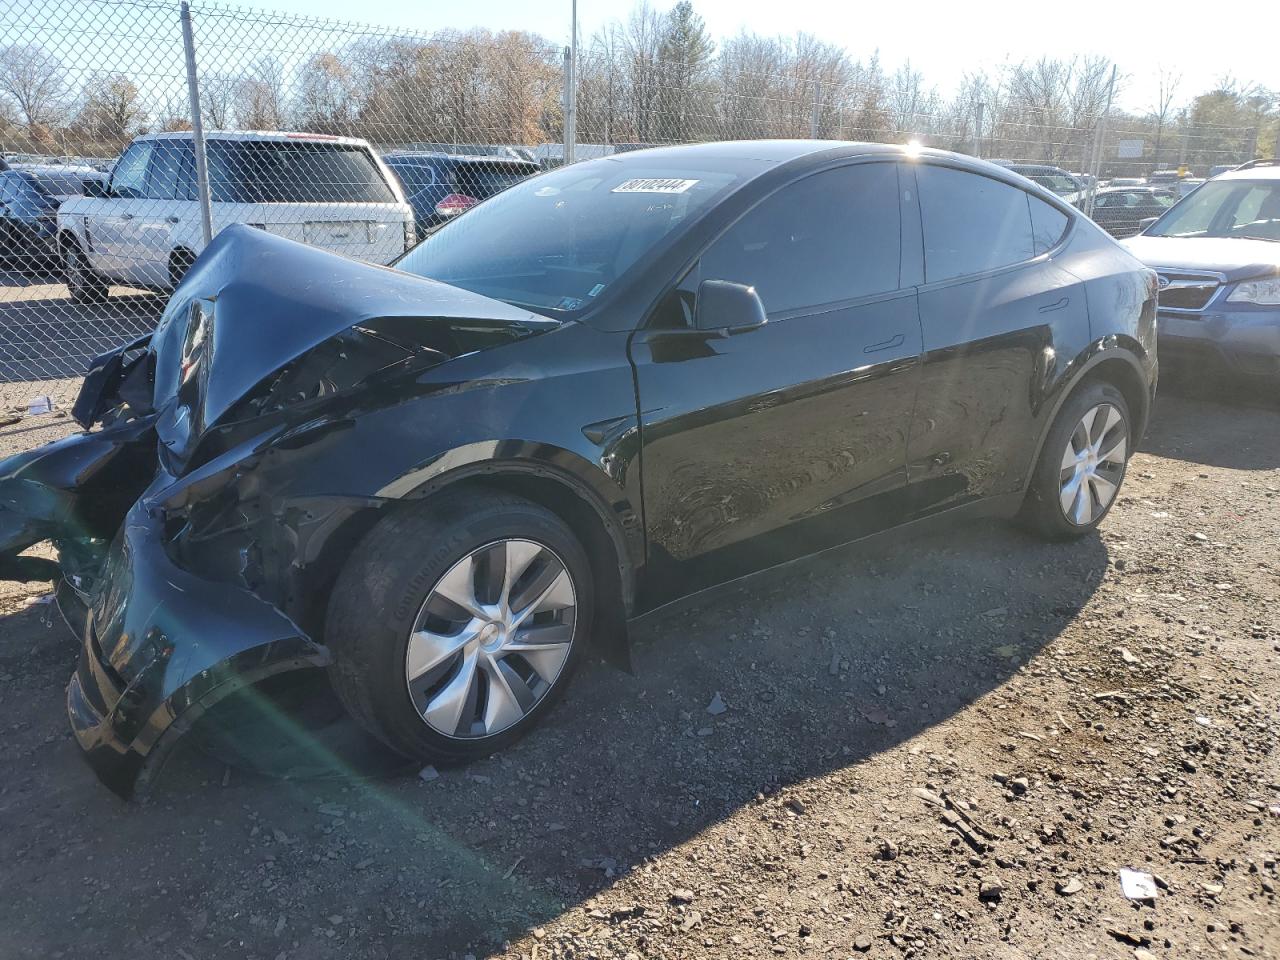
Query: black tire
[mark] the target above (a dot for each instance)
(84, 285)
(386, 582)
(180, 262)
(1043, 512)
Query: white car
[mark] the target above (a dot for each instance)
(143, 226)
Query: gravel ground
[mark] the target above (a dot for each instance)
(946, 744)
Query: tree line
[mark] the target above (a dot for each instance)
(655, 77)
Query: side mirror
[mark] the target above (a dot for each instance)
(96, 188)
(1146, 222)
(728, 306)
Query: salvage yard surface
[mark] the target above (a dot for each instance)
(942, 744)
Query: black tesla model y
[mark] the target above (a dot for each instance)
(447, 481)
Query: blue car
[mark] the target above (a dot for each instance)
(1217, 253)
(439, 186)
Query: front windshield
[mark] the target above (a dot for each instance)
(558, 242)
(1225, 208)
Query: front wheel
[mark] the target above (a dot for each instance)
(1081, 466)
(456, 625)
(83, 284)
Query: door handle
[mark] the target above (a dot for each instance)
(885, 344)
(1060, 304)
(170, 219)
(126, 216)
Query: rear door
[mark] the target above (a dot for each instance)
(995, 311)
(779, 441)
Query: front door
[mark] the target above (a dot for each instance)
(110, 226)
(782, 440)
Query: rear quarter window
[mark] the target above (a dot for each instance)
(1048, 225)
(972, 223)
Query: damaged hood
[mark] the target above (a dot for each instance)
(254, 303)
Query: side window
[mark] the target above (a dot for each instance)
(971, 223)
(1048, 224)
(832, 236)
(8, 187)
(186, 187)
(129, 176)
(166, 169)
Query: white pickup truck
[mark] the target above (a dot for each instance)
(142, 227)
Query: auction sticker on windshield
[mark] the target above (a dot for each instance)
(654, 185)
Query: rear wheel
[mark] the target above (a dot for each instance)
(456, 626)
(180, 262)
(83, 284)
(1082, 464)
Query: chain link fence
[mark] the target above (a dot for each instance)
(360, 138)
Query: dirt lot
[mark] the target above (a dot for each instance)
(941, 745)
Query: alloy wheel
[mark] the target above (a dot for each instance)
(491, 638)
(1093, 464)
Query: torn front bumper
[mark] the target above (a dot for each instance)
(161, 646)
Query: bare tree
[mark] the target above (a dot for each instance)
(33, 79)
(327, 95)
(260, 97)
(1167, 89)
(218, 97)
(111, 112)
(912, 106)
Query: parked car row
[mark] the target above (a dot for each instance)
(142, 225)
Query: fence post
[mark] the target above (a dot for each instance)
(1095, 168)
(197, 126)
(570, 107)
(980, 108)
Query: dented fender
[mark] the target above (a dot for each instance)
(162, 646)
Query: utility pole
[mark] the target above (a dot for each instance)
(979, 109)
(571, 89)
(1186, 137)
(1095, 168)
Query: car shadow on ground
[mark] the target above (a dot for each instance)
(43, 335)
(1176, 428)
(817, 668)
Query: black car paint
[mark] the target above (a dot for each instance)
(683, 458)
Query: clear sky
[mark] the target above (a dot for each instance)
(941, 39)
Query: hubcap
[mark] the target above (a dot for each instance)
(491, 638)
(1093, 464)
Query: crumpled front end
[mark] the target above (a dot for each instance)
(200, 518)
(161, 646)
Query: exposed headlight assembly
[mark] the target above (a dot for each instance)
(1263, 292)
